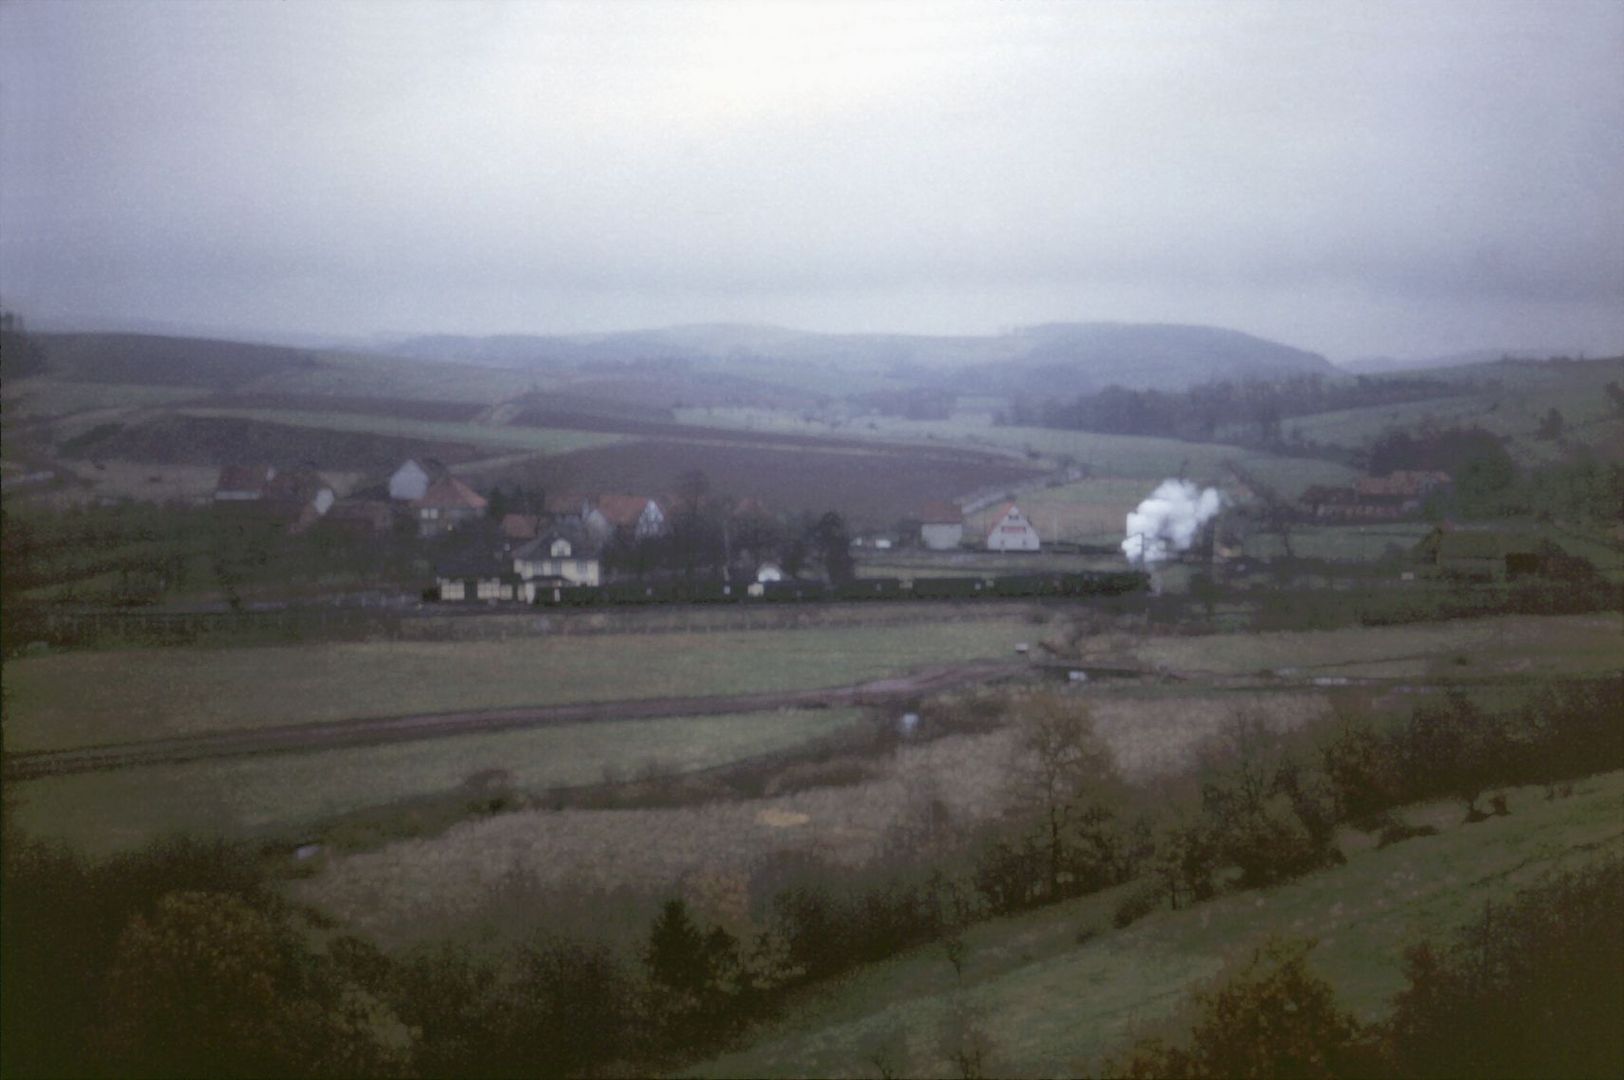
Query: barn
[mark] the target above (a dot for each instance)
(941, 526)
(1012, 531)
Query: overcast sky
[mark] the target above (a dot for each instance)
(1407, 178)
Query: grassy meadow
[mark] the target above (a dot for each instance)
(1059, 990)
(87, 698)
(100, 813)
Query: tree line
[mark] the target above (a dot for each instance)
(1249, 412)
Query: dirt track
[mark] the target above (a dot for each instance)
(314, 737)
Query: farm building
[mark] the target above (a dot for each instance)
(941, 526)
(1486, 554)
(365, 517)
(559, 554)
(298, 495)
(446, 504)
(1376, 498)
(412, 480)
(635, 516)
(473, 576)
(1011, 531)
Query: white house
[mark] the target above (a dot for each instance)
(1011, 531)
(411, 481)
(941, 526)
(553, 556)
(635, 515)
(769, 571)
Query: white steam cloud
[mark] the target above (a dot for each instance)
(1169, 520)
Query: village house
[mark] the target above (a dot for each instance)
(1011, 531)
(361, 517)
(768, 573)
(941, 526)
(634, 517)
(297, 495)
(1376, 498)
(412, 480)
(474, 575)
(447, 504)
(558, 559)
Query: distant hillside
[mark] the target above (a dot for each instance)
(1064, 357)
(151, 360)
(1381, 365)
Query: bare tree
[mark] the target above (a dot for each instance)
(1062, 776)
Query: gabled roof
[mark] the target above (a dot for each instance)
(1003, 510)
(541, 546)
(623, 510)
(565, 504)
(941, 513)
(449, 493)
(432, 467)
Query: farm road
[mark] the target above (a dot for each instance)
(296, 738)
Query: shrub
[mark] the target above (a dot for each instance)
(1137, 904)
(1532, 988)
(1270, 1018)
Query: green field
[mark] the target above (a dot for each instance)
(1053, 1006)
(103, 812)
(555, 440)
(1508, 399)
(1130, 456)
(86, 698)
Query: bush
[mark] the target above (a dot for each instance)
(1534, 987)
(1137, 904)
(1270, 1018)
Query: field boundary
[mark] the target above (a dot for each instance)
(297, 738)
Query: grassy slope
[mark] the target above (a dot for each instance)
(1508, 399)
(1053, 1006)
(104, 812)
(79, 699)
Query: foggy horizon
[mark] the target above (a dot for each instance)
(1352, 180)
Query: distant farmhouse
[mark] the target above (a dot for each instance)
(1011, 531)
(1377, 498)
(560, 558)
(941, 526)
(411, 481)
(298, 495)
(447, 504)
(474, 575)
(634, 517)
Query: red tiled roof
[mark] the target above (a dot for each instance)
(451, 494)
(941, 513)
(622, 511)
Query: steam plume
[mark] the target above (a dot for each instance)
(1168, 520)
